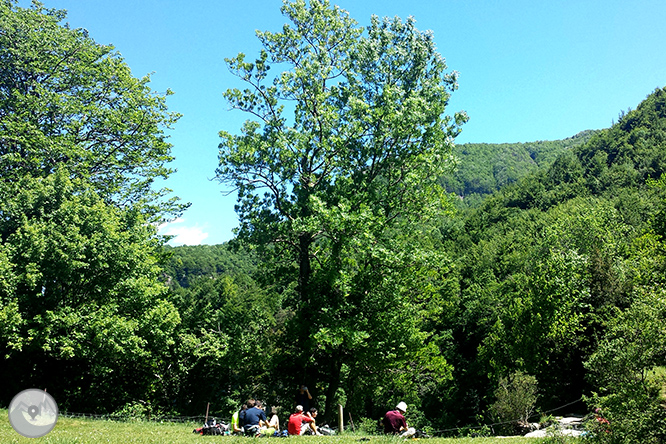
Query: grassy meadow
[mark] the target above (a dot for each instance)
(89, 431)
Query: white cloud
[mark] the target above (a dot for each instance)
(183, 235)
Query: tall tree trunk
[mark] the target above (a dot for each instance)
(304, 267)
(330, 409)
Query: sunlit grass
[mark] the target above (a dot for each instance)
(68, 430)
(89, 431)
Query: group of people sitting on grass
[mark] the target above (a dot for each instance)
(251, 420)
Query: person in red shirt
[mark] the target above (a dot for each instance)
(394, 422)
(296, 421)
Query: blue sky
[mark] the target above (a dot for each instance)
(529, 70)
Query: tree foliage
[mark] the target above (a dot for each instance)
(625, 369)
(83, 305)
(67, 100)
(81, 142)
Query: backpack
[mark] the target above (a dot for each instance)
(326, 430)
(252, 430)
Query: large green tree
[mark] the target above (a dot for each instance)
(336, 174)
(81, 143)
(84, 314)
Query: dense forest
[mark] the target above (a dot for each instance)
(356, 270)
(545, 278)
(484, 168)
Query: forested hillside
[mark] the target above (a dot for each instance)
(484, 168)
(561, 276)
(186, 263)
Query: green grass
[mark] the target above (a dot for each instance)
(88, 431)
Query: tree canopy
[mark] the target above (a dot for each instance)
(69, 101)
(81, 142)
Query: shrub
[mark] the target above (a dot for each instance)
(515, 399)
(368, 426)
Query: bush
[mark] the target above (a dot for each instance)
(368, 426)
(633, 417)
(515, 399)
(133, 411)
(555, 436)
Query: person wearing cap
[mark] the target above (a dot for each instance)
(394, 422)
(296, 421)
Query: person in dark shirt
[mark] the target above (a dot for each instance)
(394, 422)
(241, 415)
(254, 419)
(303, 398)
